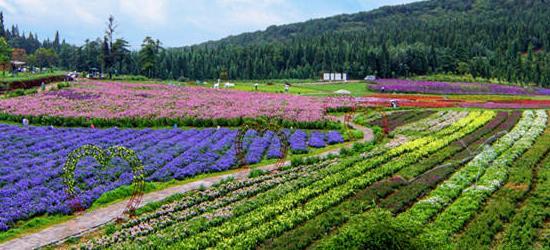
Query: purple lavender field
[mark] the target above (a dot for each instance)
(466, 88)
(32, 159)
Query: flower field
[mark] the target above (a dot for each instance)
(32, 160)
(123, 100)
(436, 101)
(441, 188)
(429, 87)
(104, 104)
(442, 176)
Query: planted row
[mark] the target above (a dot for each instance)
(501, 207)
(455, 215)
(452, 188)
(247, 231)
(434, 146)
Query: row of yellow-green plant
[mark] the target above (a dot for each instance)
(452, 219)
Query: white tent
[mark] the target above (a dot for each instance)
(342, 92)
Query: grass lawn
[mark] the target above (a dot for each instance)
(305, 88)
(298, 87)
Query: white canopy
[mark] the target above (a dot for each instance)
(342, 92)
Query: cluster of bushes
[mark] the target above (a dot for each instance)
(130, 78)
(32, 91)
(11, 84)
(20, 92)
(341, 109)
(456, 78)
(63, 85)
(139, 122)
(376, 229)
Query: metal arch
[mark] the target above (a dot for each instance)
(261, 126)
(103, 157)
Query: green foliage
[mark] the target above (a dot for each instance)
(354, 135)
(137, 122)
(20, 92)
(256, 173)
(110, 229)
(130, 78)
(15, 93)
(376, 229)
(5, 51)
(531, 217)
(148, 56)
(63, 85)
(43, 57)
(123, 192)
(322, 224)
(73, 240)
(224, 181)
(26, 76)
(357, 148)
(455, 78)
(104, 158)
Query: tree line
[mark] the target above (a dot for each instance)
(503, 39)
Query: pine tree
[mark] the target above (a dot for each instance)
(56, 44)
(2, 28)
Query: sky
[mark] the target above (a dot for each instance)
(174, 22)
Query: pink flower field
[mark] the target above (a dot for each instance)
(122, 100)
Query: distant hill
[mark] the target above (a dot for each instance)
(367, 21)
(503, 39)
(507, 39)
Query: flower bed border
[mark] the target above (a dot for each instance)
(147, 122)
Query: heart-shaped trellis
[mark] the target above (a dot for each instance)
(104, 157)
(261, 126)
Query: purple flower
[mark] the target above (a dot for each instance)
(317, 139)
(334, 137)
(32, 159)
(411, 86)
(298, 141)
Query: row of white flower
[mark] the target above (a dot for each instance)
(452, 219)
(426, 208)
(433, 122)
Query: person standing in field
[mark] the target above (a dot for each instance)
(287, 86)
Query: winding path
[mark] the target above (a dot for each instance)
(91, 220)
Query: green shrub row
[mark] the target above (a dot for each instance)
(315, 228)
(7, 84)
(138, 122)
(20, 92)
(376, 229)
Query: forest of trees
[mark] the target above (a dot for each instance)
(504, 39)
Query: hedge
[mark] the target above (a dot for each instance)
(30, 83)
(139, 122)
